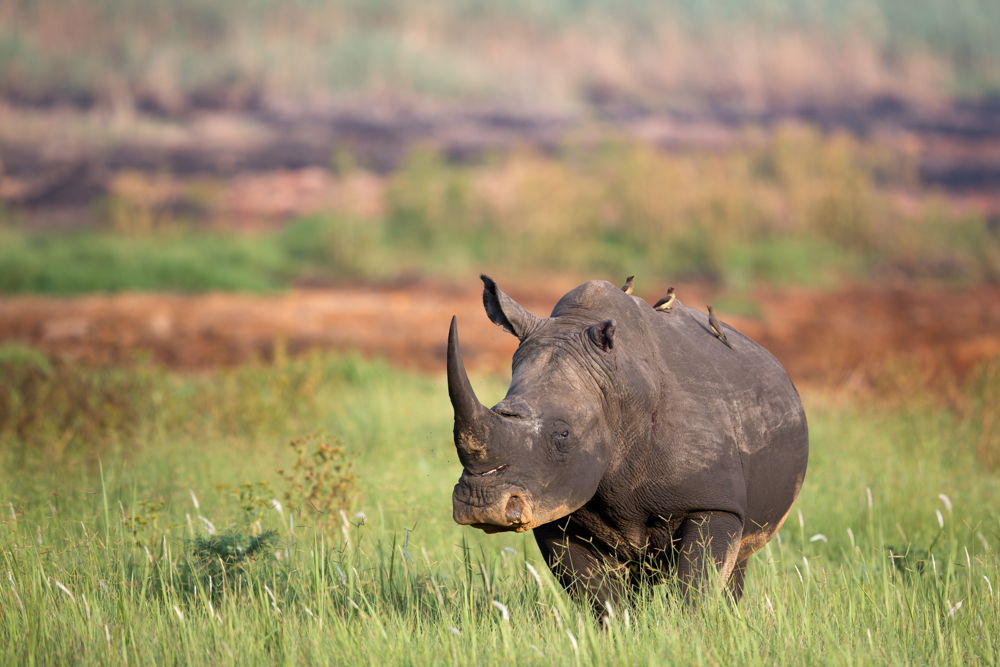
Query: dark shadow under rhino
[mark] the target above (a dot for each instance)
(633, 442)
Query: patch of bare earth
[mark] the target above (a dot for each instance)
(822, 338)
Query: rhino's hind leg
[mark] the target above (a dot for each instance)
(582, 567)
(736, 580)
(709, 548)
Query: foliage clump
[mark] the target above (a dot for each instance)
(232, 549)
(320, 481)
(221, 561)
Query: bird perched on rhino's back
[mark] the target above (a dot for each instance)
(627, 287)
(716, 328)
(667, 302)
(633, 449)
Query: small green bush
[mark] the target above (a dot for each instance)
(221, 562)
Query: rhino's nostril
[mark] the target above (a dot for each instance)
(515, 510)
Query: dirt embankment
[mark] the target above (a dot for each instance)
(822, 338)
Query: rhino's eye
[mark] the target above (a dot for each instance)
(561, 439)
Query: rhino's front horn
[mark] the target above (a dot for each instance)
(472, 418)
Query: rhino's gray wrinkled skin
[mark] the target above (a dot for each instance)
(633, 442)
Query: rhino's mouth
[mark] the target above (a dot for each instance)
(489, 528)
(513, 514)
(491, 509)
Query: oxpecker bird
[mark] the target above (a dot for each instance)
(627, 287)
(717, 328)
(667, 302)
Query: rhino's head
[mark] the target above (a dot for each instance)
(541, 452)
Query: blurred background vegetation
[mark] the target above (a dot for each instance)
(798, 208)
(195, 145)
(568, 52)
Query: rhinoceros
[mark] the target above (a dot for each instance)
(634, 443)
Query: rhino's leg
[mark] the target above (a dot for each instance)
(736, 580)
(708, 549)
(582, 566)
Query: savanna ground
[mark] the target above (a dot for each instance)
(232, 235)
(159, 517)
(295, 506)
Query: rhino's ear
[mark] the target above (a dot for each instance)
(505, 312)
(602, 334)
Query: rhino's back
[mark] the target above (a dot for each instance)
(737, 400)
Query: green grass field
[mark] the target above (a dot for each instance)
(112, 480)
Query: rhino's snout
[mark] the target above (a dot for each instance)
(491, 509)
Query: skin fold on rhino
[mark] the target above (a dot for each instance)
(633, 442)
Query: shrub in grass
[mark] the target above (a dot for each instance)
(220, 562)
(320, 483)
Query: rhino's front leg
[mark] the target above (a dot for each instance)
(708, 549)
(582, 567)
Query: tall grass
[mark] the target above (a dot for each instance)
(890, 555)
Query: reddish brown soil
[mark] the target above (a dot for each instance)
(822, 338)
